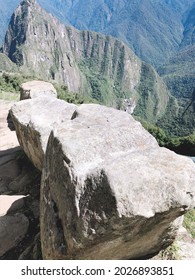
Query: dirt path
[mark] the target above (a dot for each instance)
(8, 138)
(8, 165)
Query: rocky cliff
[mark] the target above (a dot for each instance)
(37, 42)
(6, 64)
(92, 64)
(98, 167)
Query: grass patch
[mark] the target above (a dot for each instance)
(171, 252)
(189, 222)
(11, 96)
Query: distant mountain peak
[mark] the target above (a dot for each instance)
(29, 2)
(153, 29)
(18, 29)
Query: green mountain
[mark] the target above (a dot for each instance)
(104, 69)
(179, 75)
(153, 29)
(96, 66)
(179, 72)
(189, 30)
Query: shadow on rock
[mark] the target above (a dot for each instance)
(19, 217)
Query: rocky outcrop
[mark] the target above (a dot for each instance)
(34, 119)
(108, 191)
(6, 65)
(185, 244)
(34, 89)
(115, 196)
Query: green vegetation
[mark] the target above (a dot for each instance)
(157, 132)
(10, 82)
(175, 122)
(135, 22)
(65, 95)
(171, 252)
(11, 96)
(180, 85)
(9, 86)
(189, 222)
(181, 145)
(153, 95)
(101, 87)
(179, 76)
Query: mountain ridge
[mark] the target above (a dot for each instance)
(179, 75)
(153, 29)
(90, 63)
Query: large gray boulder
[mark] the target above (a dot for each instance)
(33, 89)
(34, 119)
(108, 191)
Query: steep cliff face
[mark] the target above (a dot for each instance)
(38, 43)
(6, 64)
(92, 64)
(110, 67)
(189, 30)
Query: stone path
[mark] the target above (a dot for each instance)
(8, 147)
(8, 138)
